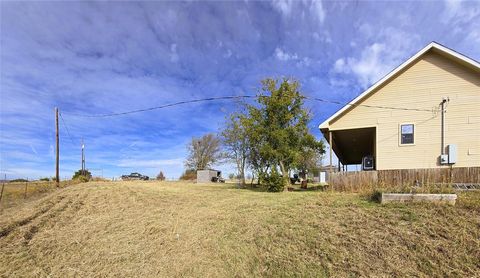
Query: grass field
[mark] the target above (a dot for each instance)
(147, 229)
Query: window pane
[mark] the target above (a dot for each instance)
(407, 138)
(407, 129)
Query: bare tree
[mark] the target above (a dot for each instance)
(203, 152)
(235, 141)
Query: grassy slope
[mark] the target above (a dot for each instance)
(173, 229)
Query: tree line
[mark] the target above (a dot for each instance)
(270, 138)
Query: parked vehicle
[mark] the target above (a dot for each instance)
(134, 176)
(218, 179)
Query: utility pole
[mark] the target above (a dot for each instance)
(83, 158)
(57, 154)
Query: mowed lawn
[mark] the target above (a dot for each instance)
(168, 229)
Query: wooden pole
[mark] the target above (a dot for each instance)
(331, 157)
(57, 154)
(26, 186)
(3, 185)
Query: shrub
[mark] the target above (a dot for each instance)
(82, 178)
(273, 181)
(190, 174)
(18, 180)
(78, 174)
(45, 179)
(160, 176)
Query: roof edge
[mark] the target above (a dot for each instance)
(433, 45)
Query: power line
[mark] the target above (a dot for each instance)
(66, 128)
(241, 97)
(160, 107)
(369, 106)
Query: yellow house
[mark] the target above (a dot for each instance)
(424, 114)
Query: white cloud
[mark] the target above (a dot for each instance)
(285, 56)
(391, 48)
(316, 8)
(339, 65)
(283, 6)
(370, 67)
(288, 7)
(173, 53)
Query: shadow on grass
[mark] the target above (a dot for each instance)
(259, 188)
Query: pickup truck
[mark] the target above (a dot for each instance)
(134, 176)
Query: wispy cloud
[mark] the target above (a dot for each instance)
(102, 57)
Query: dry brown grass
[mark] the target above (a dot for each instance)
(148, 229)
(15, 193)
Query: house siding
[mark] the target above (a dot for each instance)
(422, 85)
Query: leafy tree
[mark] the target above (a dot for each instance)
(235, 142)
(161, 176)
(189, 174)
(310, 157)
(277, 132)
(203, 152)
(84, 177)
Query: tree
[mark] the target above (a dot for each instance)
(310, 157)
(160, 176)
(203, 152)
(189, 174)
(277, 132)
(83, 177)
(235, 142)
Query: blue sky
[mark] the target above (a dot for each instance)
(94, 58)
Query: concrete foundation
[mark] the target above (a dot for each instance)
(411, 197)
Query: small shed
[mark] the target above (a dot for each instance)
(208, 175)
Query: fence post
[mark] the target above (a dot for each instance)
(3, 185)
(25, 194)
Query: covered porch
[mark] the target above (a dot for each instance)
(351, 145)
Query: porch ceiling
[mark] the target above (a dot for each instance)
(351, 145)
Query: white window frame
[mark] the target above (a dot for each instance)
(400, 134)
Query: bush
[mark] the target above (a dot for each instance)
(18, 180)
(78, 174)
(45, 179)
(274, 182)
(160, 176)
(82, 178)
(190, 174)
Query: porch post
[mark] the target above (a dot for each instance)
(331, 152)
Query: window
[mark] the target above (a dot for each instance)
(407, 131)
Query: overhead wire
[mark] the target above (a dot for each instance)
(240, 97)
(66, 128)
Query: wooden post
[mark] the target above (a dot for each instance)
(57, 154)
(26, 186)
(331, 158)
(3, 185)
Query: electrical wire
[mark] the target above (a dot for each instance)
(160, 107)
(239, 97)
(370, 106)
(66, 128)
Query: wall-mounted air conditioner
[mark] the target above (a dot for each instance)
(368, 163)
